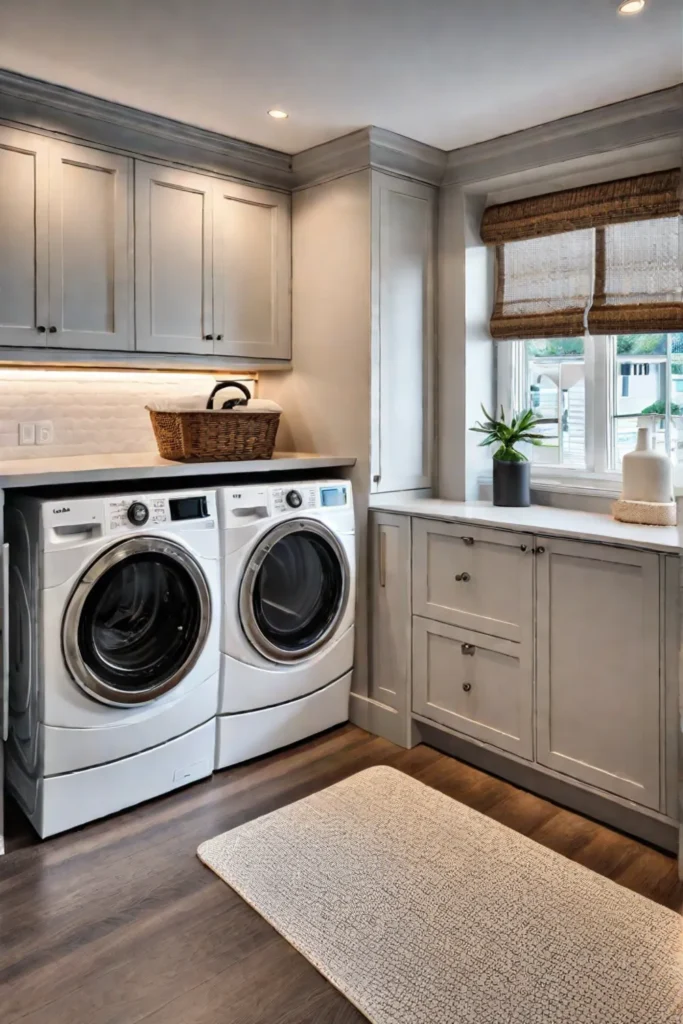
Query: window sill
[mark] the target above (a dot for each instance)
(570, 482)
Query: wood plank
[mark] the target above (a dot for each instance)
(119, 922)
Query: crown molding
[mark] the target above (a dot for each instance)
(369, 148)
(397, 154)
(71, 114)
(655, 116)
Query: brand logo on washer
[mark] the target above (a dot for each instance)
(58, 511)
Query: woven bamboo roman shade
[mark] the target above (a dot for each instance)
(604, 257)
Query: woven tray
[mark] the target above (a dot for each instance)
(647, 513)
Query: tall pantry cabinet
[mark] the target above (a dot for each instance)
(363, 306)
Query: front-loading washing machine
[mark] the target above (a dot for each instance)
(114, 650)
(287, 638)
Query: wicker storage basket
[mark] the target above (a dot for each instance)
(241, 430)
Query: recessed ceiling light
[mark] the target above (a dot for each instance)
(280, 115)
(631, 6)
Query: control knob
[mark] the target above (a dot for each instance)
(138, 513)
(293, 499)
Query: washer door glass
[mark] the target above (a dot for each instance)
(295, 590)
(137, 621)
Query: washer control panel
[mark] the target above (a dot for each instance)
(144, 512)
(134, 512)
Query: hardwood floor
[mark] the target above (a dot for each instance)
(119, 922)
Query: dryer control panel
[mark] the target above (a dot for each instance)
(302, 496)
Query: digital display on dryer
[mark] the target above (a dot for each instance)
(331, 496)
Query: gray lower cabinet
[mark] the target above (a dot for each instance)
(389, 622)
(555, 651)
(65, 245)
(480, 579)
(598, 667)
(478, 685)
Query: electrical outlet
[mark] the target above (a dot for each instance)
(45, 432)
(27, 433)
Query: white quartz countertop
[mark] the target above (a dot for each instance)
(537, 519)
(144, 465)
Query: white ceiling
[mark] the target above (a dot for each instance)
(446, 72)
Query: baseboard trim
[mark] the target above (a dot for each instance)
(625, 819)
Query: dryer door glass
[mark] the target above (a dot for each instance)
(295, 592)
(141, 622)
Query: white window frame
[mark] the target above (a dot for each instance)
(597, 479)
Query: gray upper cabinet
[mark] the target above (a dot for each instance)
(173, 260)
(90, 249)
(24, 274)
(404, 259)
(252, 272)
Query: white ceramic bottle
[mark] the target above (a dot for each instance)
(647, 475)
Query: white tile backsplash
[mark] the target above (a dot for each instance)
(92, 411)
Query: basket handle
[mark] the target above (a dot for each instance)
(232, 402)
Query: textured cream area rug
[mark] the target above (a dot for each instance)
(422, 911)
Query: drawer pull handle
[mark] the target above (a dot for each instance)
(468, 649)
(467, 687)
(469, 541)
(463, 577)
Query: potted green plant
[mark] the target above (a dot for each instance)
(511, 468)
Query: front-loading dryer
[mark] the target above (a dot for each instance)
(287, 636)
(114, 650)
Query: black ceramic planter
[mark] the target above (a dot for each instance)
(511, 483)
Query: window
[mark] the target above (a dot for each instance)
(592, 394)
(588, 318)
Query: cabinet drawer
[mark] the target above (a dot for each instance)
(478, 685)
(476, 578)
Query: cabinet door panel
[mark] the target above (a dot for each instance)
(473, 577)
(252, 275)
(390, 616)
(24, 172)
(90, 254)
(598, 686)
(405, 227)
(478, 685)
(174, 260)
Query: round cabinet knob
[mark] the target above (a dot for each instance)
(540, 551)
(293, 499)
(53, 330)
(41, 329)
(138, 514)
(467, 687)
(463, 577)
(208, 337)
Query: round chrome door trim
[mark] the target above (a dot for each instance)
(251, 627)
(82, 674)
